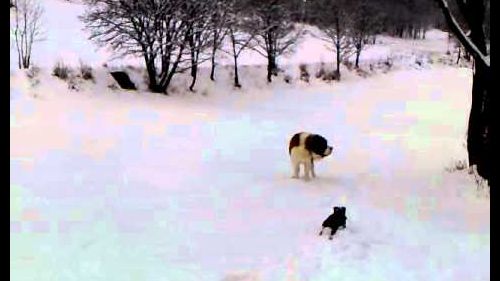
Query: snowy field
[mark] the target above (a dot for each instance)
(120, 185)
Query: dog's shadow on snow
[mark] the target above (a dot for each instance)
(325, 181)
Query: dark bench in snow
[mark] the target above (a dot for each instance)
(123, 80)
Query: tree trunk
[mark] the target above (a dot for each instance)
(235, 57)
(153, 83)
(194, 62)
(358, 53)
(482, 127)
(271, 57)
(337, 44)
(212, 70)
(271, 66)
(478, 135)
(236, 77)
(337, 48)
(459, 54)
(194, 74)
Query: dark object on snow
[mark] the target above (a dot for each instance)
(334, 221)
(123, 80)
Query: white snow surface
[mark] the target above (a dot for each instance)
(122, 185)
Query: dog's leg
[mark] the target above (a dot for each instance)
(295, 165)
(321, 232)
(332, 233)
(295, 168)
(307, 170)
(313, 174)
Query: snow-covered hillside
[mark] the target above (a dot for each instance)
(65, 40)
(123, 185)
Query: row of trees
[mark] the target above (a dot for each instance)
(402, 18)
(177, 35)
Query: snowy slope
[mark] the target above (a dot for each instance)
(118, 186)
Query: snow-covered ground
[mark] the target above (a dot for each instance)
(119, 185)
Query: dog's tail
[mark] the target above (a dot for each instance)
(294, 142)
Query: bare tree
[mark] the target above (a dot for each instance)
(335, 21)
(219, 29)
(198, 15)
(365, 23)
(241, 35)
(155, 30)
(276, 31)
(482, 128)
(27, 29)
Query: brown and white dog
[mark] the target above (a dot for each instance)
(304, 149)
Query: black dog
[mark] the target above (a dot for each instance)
(335, 221)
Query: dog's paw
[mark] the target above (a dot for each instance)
(295, 177)
(307, 178)
(330, 238)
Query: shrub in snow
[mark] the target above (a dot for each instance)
(348, 64)
(331, 75)
(458, 165)
(304, 73)
(33, 72)
(32, 75)
(73, 83)
(61, 70)
(321, 71)
(361, 72)
(86, 72)
(462, 166)
(287, 78)
(388, 63)
(113, 86)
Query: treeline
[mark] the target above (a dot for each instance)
(178, 35)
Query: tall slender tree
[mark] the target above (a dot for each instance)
(335, 19)
(277, 32)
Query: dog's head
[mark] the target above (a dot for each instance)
(339, 210)
(318, 145)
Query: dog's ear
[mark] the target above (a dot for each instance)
(336, 209)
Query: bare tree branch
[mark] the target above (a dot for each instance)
(466, 41)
